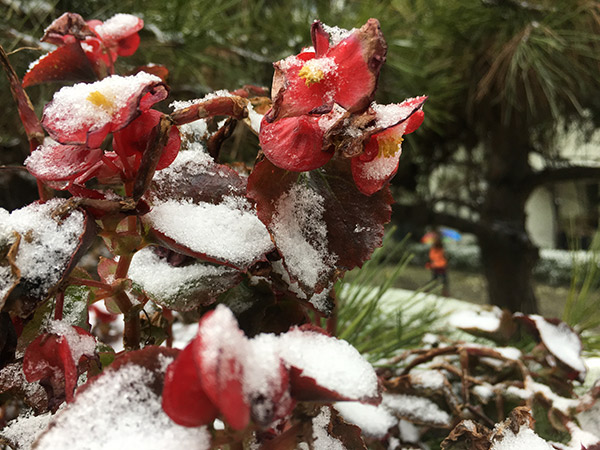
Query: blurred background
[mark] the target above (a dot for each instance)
(508, 156)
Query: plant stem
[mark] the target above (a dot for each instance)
(90, 283)
(58, 306)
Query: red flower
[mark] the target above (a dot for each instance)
(322, 104)
(55, 358)
(86, 113)
(85, 49)
(345, 73)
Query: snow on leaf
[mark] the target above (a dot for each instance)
(417, 409)
(560, 340)
(48, 247)
(219, 223)
(336, 370)
(121, 408)
(227, 233)
(181, 288)
(313, 219)
(374, 421)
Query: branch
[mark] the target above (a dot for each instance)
(556, 175)
(422, 214)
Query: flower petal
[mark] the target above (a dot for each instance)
(134, 138)
(183, 398)
(219, 351)
(294, 143)
(359, 58)
(86, 113)
(55, 162)
(370, 176)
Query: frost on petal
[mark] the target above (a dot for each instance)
(58, 164)
(181, 288)
(121, 408)
(220, 349)
(326, 368)
(86, 113)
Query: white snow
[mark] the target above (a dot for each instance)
(24, 430)
(166, 282)
(118, 26)
(333, 363)
(46, 246)
(337, 34)
(561, 341)
(229, 231)
(525, 439)
(415, 408)
(119, 410)
(488, 321)
(374, 421)
(78, 344)
(301, 234)
(322, 439)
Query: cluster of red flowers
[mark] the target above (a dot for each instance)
(322, 104)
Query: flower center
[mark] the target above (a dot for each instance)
(388, 146)
(311, 73)
(99, 99)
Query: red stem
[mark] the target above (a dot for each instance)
(90, 283)
(58, 306)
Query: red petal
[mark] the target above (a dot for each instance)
(118, 27)
(128, 45)
(414, 121)
(294, 143)
(298, 98)
(66, 63)
(183, 398)
(57, 162)
(217, 349)
(320, 38)
(370, 176)
(134, 138)
(355, 83)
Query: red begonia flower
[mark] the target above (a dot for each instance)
(56, 357)
(86, 50)
(86, 113)
(133, 140)
(345, 73)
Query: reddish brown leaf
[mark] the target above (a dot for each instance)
(354, 222)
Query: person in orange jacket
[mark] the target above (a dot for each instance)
(438, 263)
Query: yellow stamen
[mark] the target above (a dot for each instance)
(388, 146)
(98, 99)
(311, 74)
